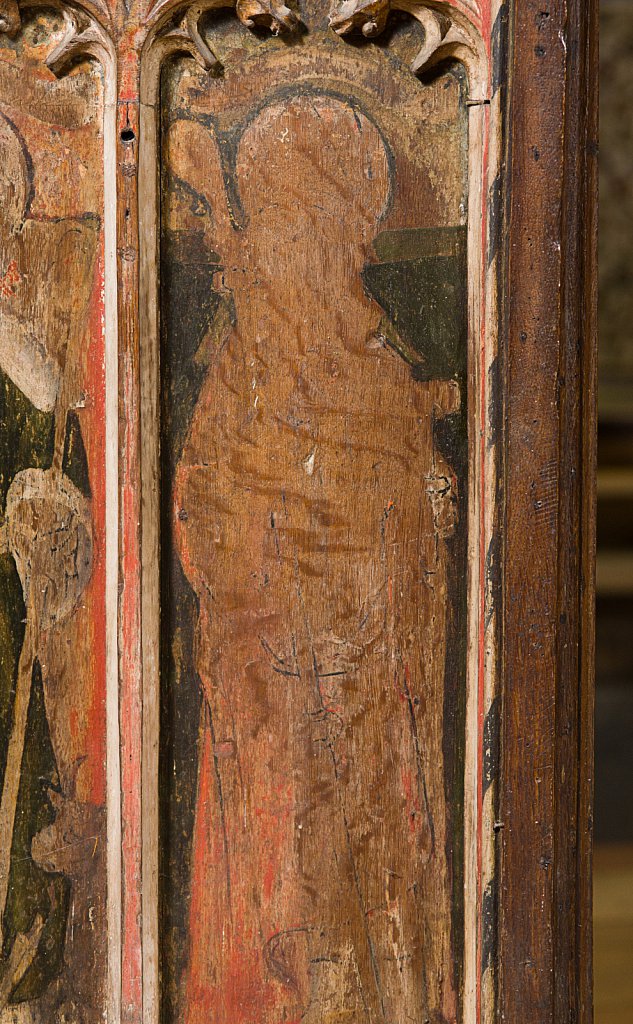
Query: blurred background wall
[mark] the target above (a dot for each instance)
(613, 821)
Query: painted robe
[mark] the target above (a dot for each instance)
(311, 513)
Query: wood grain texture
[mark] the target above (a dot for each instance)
(545, 810)
(313, 495)
(328, 759)
(115, 38)
(52, 814)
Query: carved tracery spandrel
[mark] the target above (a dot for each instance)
(90, 24)
(448, 33)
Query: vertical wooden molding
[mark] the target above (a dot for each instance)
(150, 495)
(113, 744)
(550, 395)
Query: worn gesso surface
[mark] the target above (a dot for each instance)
(270, 327)
(52, 684)
(314, 496)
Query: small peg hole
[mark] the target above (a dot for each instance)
(127, 135)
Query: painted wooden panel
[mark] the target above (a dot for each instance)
(315, 512)
(52, 663)
(271, 456)
(266, 478)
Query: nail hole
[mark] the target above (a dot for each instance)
(127, 135)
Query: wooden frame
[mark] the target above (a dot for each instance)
(545, 815)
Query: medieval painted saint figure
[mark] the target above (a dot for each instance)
(314, 516)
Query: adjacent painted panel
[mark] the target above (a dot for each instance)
(52, 492)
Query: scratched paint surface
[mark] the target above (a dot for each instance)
(314, 533)
(52, 688)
